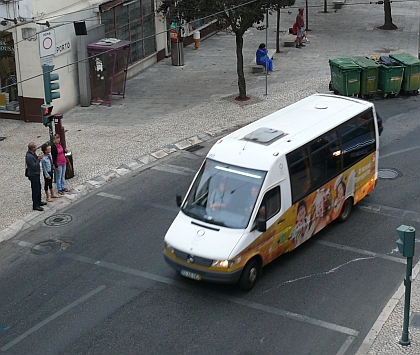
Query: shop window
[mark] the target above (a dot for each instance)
(8, 82)
(132, 22)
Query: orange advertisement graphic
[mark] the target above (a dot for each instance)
(308, 216)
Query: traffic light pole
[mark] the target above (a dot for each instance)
(406, 246)
(407, 283)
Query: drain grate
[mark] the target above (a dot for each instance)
(58, 220)
(388, 173)
(46, 247)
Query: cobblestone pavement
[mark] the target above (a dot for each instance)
(168, 108)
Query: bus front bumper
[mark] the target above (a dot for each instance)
(202, 274)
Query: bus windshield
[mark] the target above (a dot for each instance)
(224, 194)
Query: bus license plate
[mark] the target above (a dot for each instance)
(191, 275)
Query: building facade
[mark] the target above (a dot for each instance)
(37, 32)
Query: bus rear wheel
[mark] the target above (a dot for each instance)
(249, 276)
(345, 210)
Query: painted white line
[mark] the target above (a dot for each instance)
(361, 251)
(345, 346)
(383, 317)
(236, 300)
(390, 211)
(115, 197)
(399, 152)
(51, 318)
(174, 169)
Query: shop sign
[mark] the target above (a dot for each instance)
(47, 43)
(63, 47)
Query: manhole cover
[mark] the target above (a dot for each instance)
(387, 173)
(46, 247)
(58, 220)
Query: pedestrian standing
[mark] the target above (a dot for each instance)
(48, 170)
(59, 160)
(300, 26)
(34, 175)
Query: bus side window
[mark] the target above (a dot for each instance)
(271, 203)
(300, 175)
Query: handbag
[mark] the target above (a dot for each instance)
(69, 166)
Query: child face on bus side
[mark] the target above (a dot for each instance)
(301, 215)
(340, 190)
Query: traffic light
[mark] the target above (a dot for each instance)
(407, 240)
(50, 83)
(47, 116)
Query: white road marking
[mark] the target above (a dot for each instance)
(51, 318)
(115, 197)
(236, 300)
(361, 251)
(390, 211)
(399, 152)
(174, 169)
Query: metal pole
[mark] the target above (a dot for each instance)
(407, 282)
(266, 57)
(307, 26)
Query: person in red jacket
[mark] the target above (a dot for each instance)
(300, 25)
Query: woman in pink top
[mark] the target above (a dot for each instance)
(59, 159)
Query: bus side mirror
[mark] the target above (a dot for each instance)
(261, 224)
(178, 200)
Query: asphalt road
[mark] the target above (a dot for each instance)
(92, 280)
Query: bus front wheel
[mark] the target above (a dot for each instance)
(345, 210)
(249, 275)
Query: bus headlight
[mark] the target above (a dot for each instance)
(169, 248)
(224, 264)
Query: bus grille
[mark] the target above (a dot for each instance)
(197, 260)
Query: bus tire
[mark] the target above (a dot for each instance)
(249, 275)
(345, 210)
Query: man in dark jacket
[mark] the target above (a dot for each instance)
(34, 174)
(300, 25)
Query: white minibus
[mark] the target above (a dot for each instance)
(266, 188)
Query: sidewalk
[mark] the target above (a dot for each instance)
(168, 108)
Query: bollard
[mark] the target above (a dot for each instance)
(196, 37)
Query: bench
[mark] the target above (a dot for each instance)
(338, 3)
(256, 68)
(289, 40)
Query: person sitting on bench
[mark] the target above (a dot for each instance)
(263, 59)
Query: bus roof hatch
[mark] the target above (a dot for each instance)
(264, 135)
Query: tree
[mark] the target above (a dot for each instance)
(388, 25)
(277, 6)
(238, 14)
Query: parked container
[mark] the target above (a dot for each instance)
(345, 76)
(369, 75)
(411, 78)
(390, 76)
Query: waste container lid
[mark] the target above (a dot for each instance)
(405, 58)
(365, 62)
(344, 63)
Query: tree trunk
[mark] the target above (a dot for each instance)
(278, 32)
(388, 25)
(240, 66)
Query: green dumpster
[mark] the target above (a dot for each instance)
(369, 75)
(345, 76)
(411, 78)
(390, 76)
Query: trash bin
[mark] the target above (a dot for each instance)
(177, 48)
(411, 78)
(345, 76)
(69, 166)
(390, 76)
(369, 75)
